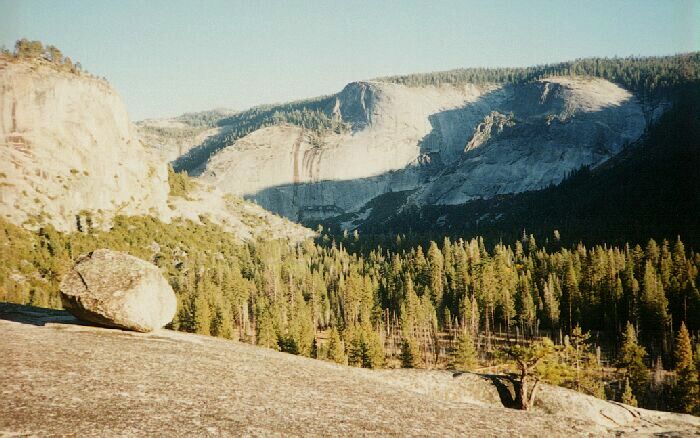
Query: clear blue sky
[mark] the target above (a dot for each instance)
(168, 57)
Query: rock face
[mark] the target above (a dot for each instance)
(67, 146)
(447, 144)
(70, 157)
(59, 378)
(118, 290)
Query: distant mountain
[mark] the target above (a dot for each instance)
(437, 139)
(173, 137)
(650, 189)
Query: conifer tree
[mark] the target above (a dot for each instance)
(632, 359)
(628, 397)
(687, 391)
(222, 326)
(436, 268)
(202, 313)
(410, 353)
(527, 358)
(465, 357)
(336, 351)
(266, 333)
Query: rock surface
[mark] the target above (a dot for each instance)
(70, 157)
(59, 378)
(67, 146)
(116, 289)
(449, 144)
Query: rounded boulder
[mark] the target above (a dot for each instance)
(116, 289)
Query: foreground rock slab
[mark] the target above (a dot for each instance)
(116, 289)
(57, 378)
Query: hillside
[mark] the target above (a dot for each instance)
(63, 378)
(70, 157)
(175, 137)
(648, 190)
(445, 138)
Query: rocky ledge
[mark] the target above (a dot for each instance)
(62, 378)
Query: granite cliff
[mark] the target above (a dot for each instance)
(442, 144)
(69, 155)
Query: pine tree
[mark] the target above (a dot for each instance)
(570, 296)
(365, 348)
(627, 397)
(436, 267)
(267, 335)
(222, 326)
(202, 313)
(653, 308)
(527, 358)
(686, 391)
(410, 353)
(465, 357)
(632, 359)
(336, 351)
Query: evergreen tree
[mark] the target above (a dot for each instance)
(632, 359)
(687, 391)
(267, 335)
(336, 351)
(365, 348)
(202, 313)
(465, 356)
(628, 397)
(570, 297)
(436, 268)
(410, 353)
(527, 358)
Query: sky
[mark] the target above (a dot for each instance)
(174, 56)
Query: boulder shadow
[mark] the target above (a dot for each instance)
(39, 316)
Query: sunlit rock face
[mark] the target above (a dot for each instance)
(447, 144)
(70, 157)
(67, 146)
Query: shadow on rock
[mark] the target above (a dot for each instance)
(36, 315)
(505, 385)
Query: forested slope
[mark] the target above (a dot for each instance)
(649, 189)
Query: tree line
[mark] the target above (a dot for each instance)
(32, 50)
(643, 75)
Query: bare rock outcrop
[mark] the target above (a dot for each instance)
(67, 146)
(70, 157)
(59, 378)
(116, 289)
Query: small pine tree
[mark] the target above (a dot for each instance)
(410, 353)
(336, 351)
(267, 335)
(222, 326)
(202, 314)
(686, 391)
(627, 397)
(465, 357)
(527, 358)
(632, 359)
(365, 347)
